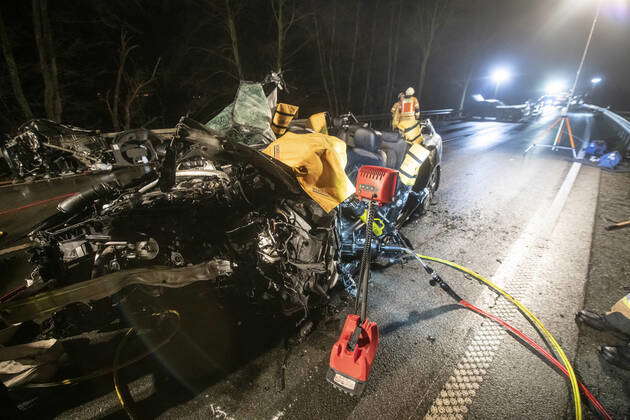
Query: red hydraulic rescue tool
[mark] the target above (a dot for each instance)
(352, 355)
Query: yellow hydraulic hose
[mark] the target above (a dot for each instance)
(122, 391)
(539, 325)
(118, 365)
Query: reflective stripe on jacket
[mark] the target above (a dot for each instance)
(409, 106)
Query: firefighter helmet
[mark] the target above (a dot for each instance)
(409, 91)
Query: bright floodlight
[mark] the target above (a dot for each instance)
(596, 80)
(500, 75)
(555, 87)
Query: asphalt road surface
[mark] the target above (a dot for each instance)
(524, 220)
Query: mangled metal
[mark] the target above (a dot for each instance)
(45, 304)
(219, 214)
(278, 226)
(46, 148)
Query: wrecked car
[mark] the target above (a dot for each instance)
(230, 208)
(44, 148)
(417, 157)
(218, 214)
(228, 215)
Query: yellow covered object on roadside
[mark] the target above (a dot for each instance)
(282, 117)
(317, 123)
(318, 161)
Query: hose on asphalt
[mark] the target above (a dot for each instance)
(125, 399)
(535, 321)
(519, 334)
(121, 389)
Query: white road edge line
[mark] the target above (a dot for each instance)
(457, 393)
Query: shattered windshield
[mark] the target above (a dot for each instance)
(246, 120)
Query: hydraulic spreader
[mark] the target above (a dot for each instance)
(353, 353)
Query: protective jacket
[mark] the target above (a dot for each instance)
(406, 107)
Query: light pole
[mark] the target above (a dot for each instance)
(564, 119)
(499, 76)
(588, 44)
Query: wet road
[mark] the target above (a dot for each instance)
(523, 220)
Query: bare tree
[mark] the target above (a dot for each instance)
(230, 22)
(228, 13)
(128, 87)
(137, 85)
(390, 93)
(354, 51)
(14, 73)
(331, 58)
(368, 74)
(283, 24)
(322, 59)
(113, 105)
(393, 43)
(390, 59)
(47, 59)
(327, 51)
(430, 17)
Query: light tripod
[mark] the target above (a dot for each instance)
(564, 127)
(564, 121)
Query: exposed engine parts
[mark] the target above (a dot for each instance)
(238, 223)
(44, 148)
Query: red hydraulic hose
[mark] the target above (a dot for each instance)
(37, 203)
(7, 296)
(541, 351)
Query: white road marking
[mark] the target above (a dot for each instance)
(561, 197)
(457, 394)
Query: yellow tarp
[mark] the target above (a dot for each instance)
(318, 161)
(282, 118)
(317, 122)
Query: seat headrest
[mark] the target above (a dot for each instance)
(391, 137)
(367, 139)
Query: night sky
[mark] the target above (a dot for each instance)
(544, 40)
(183, 50)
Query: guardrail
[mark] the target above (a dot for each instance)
(625, 114)
(442, 113)
(617, 125)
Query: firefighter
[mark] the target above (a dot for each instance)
(396, 111)
(405, 115)
(407, 107)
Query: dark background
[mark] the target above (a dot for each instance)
(538, 40)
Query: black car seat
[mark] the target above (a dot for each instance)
(365, 151)
(394, 148)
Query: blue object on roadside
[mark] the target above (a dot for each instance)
(595, 148)
(610, 160)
